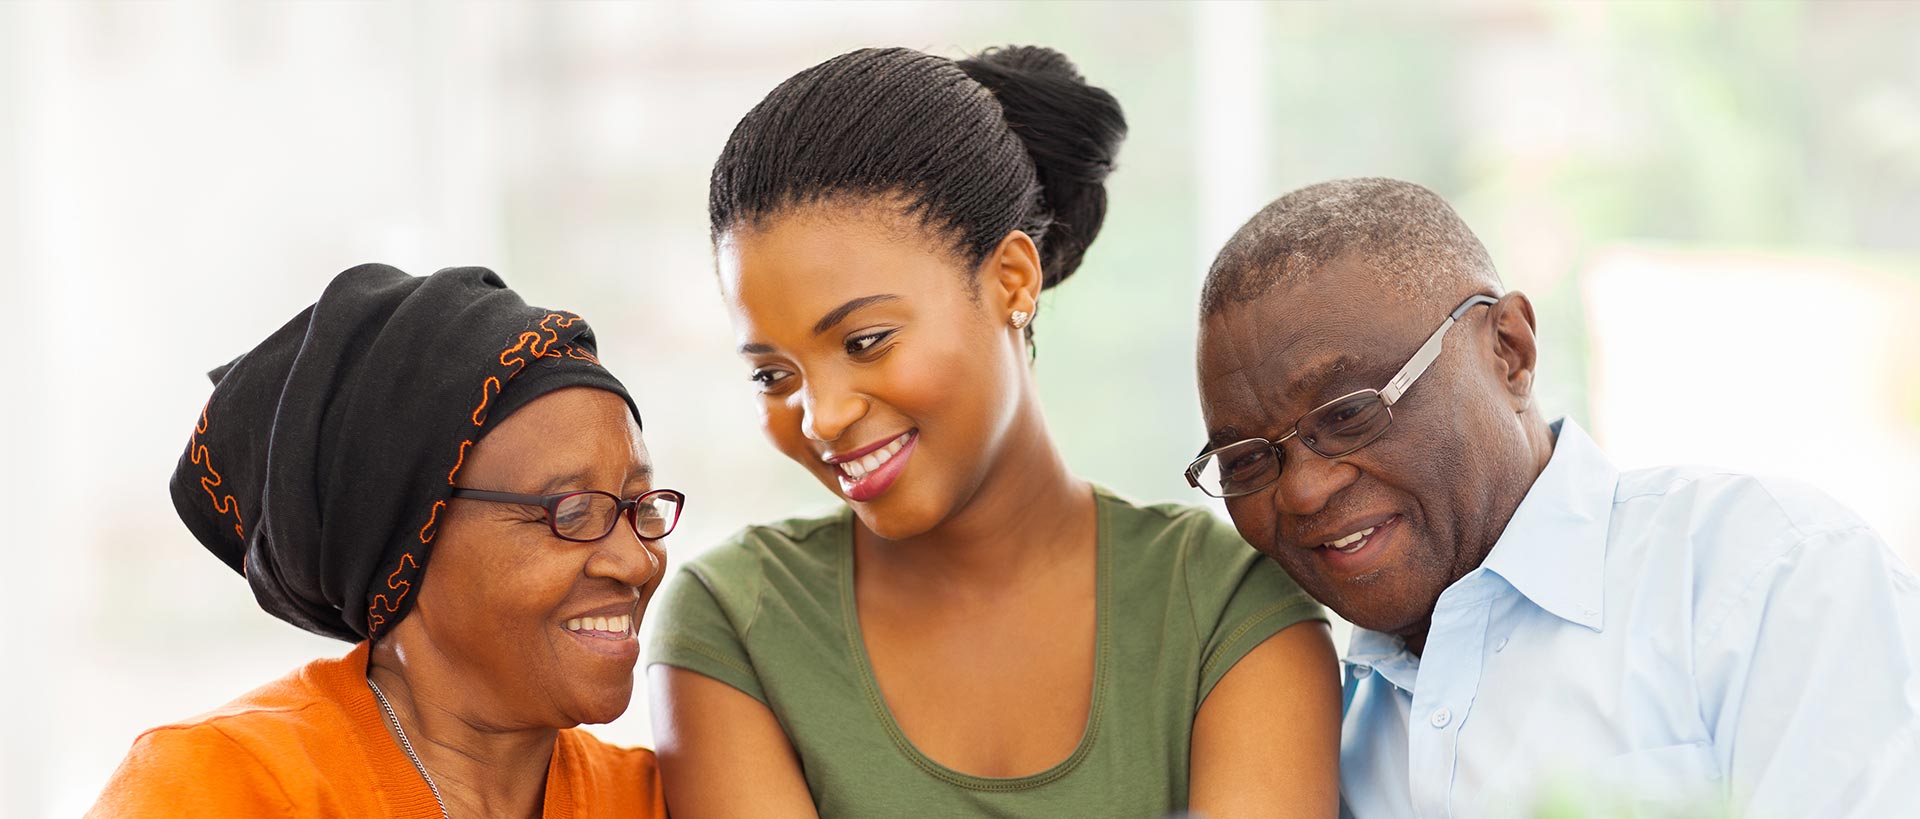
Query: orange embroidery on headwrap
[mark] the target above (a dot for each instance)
(428, 531)
(488, 389)
(374, 616)
(198, 455)
(459, 463)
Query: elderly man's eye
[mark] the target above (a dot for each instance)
(1248, 462)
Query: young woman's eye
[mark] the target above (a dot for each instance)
(866, 343)
(768, 377)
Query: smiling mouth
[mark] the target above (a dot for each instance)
(1351, 543)
(871, 475)
(858, 468)
(1360, 549)
(619, 627)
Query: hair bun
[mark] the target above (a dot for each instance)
(1072, 131)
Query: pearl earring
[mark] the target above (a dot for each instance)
(1019, 319)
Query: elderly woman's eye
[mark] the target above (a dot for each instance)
(572, 510)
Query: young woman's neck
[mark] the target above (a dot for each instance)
(1028, 508)
(480, 769)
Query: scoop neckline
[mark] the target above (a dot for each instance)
(870, 682)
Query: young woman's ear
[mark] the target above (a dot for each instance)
(1013, 277)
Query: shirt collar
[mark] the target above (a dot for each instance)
(1554, 549)
(1371, 652)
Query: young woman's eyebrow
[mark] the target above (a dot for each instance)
(839, 314)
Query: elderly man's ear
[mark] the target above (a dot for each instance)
(1515, 346)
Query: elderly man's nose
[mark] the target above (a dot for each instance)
(1308, 481)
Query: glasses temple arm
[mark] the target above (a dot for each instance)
(1418, 364)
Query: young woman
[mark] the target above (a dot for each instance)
(979, 632)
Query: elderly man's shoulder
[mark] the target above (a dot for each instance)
(1764, 506)
(1731, 527)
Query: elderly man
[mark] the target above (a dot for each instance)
(1535, 628)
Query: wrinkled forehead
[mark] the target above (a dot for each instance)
(1345, 305)
(1283, 351)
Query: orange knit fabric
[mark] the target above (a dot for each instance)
(315, 743)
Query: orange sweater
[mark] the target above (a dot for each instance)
(315, 743)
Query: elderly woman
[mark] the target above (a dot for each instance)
(401, 423)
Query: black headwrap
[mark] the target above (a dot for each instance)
(321, 463)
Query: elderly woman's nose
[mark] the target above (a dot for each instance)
(624, 557)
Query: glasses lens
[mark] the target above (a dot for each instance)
(1346, 424)
(1237, 469)
(655, 514)
(585, 515)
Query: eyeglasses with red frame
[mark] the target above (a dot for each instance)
(587, 515)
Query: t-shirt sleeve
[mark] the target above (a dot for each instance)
(191, 771)
(697, 633)
(1244, 596)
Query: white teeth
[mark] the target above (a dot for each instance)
(859, 467)
(618, 625)
(1345, 542)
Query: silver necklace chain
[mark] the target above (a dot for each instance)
(408, 746)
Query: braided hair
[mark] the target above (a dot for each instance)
(1010, 139)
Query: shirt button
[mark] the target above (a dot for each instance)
(1361, 672)
(1500, 645)
(1441, 717)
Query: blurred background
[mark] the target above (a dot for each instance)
(1715, 206)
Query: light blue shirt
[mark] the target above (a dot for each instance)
(1677, 641)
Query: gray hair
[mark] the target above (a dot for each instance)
(1407, 234)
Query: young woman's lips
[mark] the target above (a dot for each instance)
(1363, 554)
(872, 484)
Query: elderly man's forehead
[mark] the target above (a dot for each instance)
(1343, 294)
(1299, 340)
(1365, 279)
(1259, 343)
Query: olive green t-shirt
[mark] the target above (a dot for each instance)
(1180, 599)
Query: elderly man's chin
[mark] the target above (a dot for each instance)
(1384, 595)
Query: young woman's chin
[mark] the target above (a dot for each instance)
(903, 511)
